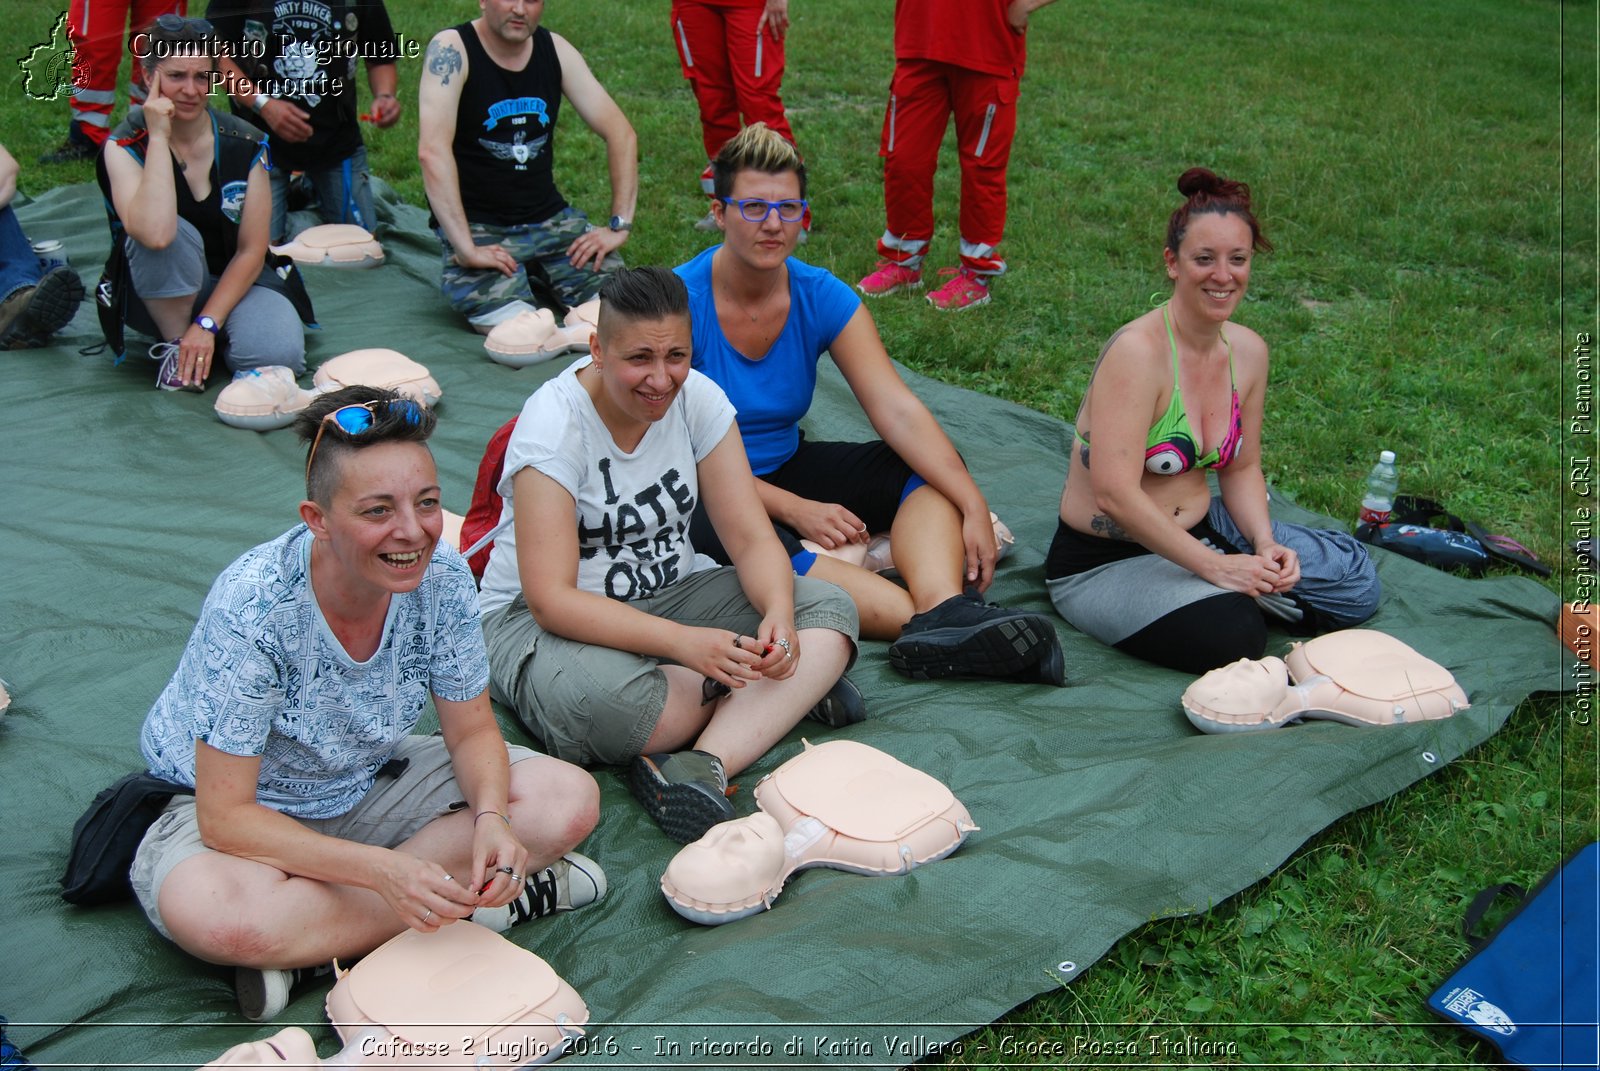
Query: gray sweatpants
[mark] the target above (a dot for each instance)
(263, 328)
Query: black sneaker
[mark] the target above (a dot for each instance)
(263, 993)
(50, 306)
(76, 147)
(11, 309)
(1050, 669)
(967, 637)
(686, 792)
(842, 706)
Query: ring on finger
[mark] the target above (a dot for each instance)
(427, 916)
(788, 650)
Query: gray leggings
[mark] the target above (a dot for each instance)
(263, 329)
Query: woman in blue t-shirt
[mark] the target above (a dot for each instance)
(762, 320)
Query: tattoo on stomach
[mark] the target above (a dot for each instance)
(1110, 529)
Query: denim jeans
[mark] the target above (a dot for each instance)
(344, 194)
(19, 266)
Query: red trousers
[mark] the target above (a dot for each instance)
(922, 97)
(99, 30)
(733, 71)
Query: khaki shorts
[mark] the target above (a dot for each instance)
(395, 808)
(593, 705)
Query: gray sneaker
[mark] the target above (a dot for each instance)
(686, 792)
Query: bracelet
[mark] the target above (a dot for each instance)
(497, 814)
(380, 96)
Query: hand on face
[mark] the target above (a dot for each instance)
(157, 108)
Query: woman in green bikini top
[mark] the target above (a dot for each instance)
(1171, 448)
(1177, 391)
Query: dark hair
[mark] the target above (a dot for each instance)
(1207, 191)
(395, 419)
(171, 36)
(641, 294)
(755, 148)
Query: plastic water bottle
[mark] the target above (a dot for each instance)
(1382, 482)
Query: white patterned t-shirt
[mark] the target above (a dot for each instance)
(633, 506)
(263, 675)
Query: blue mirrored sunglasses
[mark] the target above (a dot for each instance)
(357, 418)
(755, 210)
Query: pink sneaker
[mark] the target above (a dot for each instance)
(889, 277)
(965, 290)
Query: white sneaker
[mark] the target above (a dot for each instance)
(263, 993)
(571, 882)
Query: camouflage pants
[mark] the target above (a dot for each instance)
(476, 293)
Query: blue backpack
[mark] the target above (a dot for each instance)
(1530, 988)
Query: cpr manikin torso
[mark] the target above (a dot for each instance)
(532, 335)
(462, 996)
(334, 245)
(262, 399)
(840, 804)
(1357, 676)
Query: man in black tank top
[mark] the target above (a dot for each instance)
(491, 93)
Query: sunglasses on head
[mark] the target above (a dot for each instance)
(755, 210)
(359, 417)
(170, 23)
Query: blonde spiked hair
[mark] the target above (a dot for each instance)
(756, 148)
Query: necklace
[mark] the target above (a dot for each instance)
(755, 311)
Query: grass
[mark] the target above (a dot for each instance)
(1427, 172)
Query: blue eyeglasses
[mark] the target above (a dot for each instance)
(357, 418)
(755, 210)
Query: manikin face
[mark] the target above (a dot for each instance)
(767, 244)
(642, 365)
(1212, 266)
(512, 21)
(381, 528)
(734, 861)
(186, 81)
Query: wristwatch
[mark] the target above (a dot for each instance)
(618, 223)
(207, 323)
(259, 101)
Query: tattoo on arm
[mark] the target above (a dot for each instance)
(443, 61)
(1110, 529)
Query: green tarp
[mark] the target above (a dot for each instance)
(1100, 807)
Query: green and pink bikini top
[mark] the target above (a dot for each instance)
(1170, 448)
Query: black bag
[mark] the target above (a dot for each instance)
(105, 839)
